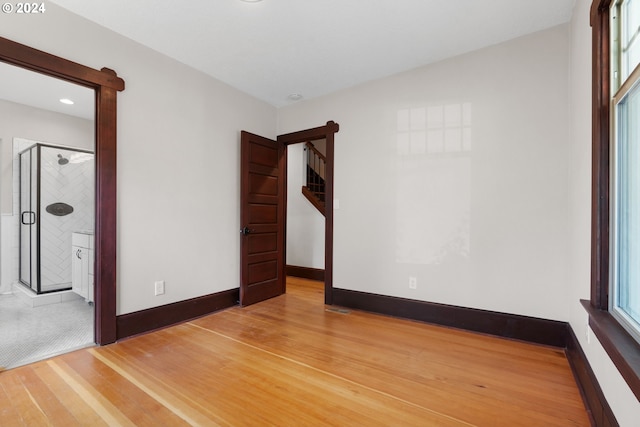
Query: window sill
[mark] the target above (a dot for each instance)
(623, 350)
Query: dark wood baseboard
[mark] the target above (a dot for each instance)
(305, 272)
(530, 329)
(524, 328)
(599, 410)
(131, 324)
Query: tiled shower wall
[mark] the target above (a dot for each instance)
(72, 184)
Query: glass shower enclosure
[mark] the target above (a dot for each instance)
(56, 199)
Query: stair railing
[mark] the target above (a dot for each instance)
(316, 166)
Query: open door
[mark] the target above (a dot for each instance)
(262, 218)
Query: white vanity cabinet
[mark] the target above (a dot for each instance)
(82, 265)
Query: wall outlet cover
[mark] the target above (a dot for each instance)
(159, 287)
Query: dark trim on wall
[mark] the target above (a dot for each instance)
(159, 317)
(600, 412)
(601, 93)
(305, 272)
(530, 329)
(313, 134)
(54, 66)
(326, 132)
(106, 247)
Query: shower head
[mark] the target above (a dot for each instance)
(62, 160)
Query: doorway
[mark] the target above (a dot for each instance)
(106, 84)
(263, 214)
(48, 180)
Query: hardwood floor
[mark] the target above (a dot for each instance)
(291, 361)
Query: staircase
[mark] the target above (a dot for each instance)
(314, 190)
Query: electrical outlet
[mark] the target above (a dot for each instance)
(413, 283)
(159, 287)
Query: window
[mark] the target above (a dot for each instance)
(614, 308)
(624, 301)
(625, 29)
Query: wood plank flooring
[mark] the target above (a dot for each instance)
(290, 361)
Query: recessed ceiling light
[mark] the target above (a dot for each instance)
(66, 101)
(295, 97)
(251, 1)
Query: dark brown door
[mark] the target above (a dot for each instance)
(262, 203)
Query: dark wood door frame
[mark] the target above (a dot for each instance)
(327, 132)
(106, 84)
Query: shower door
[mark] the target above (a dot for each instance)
(28, 227)
(56, 200)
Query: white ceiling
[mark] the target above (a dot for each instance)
(37, 90)
(274, 48)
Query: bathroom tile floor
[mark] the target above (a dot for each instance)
(29, 334)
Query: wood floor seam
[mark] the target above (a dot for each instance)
(107, 414)
(34, 401)
(148, 391)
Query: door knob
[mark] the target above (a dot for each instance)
(245, 231)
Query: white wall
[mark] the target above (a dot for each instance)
(305, 225)
(623, 402)
(21, 121)
(178, 158)
(469, 153)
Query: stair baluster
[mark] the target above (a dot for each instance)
(314, 189)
